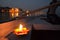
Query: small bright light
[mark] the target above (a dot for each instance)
(27, 15)
(16, 14)
(27, 11)
(12, 14)
(11, 10)
(20, 27)
(16, 10)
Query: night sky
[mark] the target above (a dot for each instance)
(25, 4)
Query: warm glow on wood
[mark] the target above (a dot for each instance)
(21, 30)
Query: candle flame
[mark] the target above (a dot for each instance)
(20, 27)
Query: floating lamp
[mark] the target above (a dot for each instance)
(21, 30)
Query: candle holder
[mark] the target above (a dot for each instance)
(22, 30)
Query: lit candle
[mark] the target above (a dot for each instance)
(21, 30)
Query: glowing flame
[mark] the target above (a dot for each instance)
(21, 30)
(20, 27)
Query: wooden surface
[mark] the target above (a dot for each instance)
(46, 27)
(6, 28)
